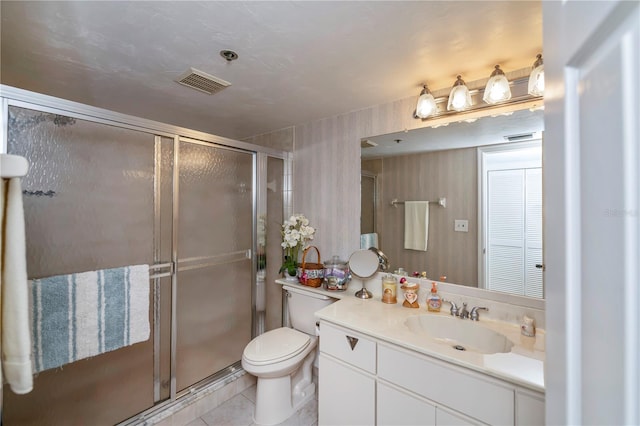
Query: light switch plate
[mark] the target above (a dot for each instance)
(461, 225)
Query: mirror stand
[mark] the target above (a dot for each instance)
(363, 293)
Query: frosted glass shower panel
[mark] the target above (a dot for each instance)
(216, 200)
(89, 204)
(214, 320)
(89, 193)
(275, 216)
(215, 235)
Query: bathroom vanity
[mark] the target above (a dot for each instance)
(378, 367)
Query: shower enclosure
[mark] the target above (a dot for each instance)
(203, 212)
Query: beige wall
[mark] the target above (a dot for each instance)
(326, 171)
(429, 176)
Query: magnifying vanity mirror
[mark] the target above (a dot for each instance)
(363, 264)
(489, 234)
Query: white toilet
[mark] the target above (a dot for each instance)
(282, 359)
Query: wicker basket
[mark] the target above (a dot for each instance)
(311, 274)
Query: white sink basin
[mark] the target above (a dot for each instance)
(462, 334)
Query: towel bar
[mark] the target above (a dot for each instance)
(442, 201)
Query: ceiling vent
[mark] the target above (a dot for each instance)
(202, 81)
(367, 143)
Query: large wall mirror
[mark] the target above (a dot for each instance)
(490, 172)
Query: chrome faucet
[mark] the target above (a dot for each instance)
(454, 307)
(475, 316)
(463, 312)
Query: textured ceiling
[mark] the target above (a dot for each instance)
(299, 61)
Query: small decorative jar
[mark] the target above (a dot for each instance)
(336, 274)
(389, 289)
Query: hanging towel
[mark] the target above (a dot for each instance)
(81, 315)
(14, 292)
(368, 240)
(416, 225)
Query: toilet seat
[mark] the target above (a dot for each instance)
(275, 346)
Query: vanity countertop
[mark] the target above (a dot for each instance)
(523, 365)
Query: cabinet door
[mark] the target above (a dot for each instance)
(476, 395)
(529, 408)
(346, 396)
(395, 407)
(449, 418)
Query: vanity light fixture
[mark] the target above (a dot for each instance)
(426, 103)
(459, 98)
(497, 89)
(536, 78)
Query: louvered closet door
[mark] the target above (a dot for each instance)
(533, 233)
(505, 233)
(514, 234)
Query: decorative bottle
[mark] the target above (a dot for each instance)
(434, 301)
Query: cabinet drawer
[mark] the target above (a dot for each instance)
(349, 347)
(466, 392)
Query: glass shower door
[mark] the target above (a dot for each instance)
(89, 204)
(214, 273)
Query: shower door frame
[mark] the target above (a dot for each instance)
(14, 97)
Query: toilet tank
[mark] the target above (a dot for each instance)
(302, 305)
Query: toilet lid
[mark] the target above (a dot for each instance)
(275, 345)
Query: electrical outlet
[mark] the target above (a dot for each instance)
(461, 226)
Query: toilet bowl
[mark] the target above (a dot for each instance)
(282, 360)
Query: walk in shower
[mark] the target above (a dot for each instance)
(105, 191)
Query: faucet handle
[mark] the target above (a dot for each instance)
(464, 313)
(475, 316)
(454, 307)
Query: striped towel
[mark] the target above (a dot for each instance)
(85, 314)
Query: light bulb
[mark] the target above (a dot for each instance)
(426, 104)
(497, 88)
(536, 78)
(459, 98)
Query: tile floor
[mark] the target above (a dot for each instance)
(238, 411)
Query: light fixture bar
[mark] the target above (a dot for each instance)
(519, 90)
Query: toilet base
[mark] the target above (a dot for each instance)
(272, 410)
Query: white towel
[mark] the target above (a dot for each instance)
(14, 294)
(416, 225)
(81, 315)
(368, 240)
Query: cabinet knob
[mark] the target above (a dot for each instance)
(353, 341)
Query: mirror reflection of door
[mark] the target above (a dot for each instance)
(368, 203)
(511, 218)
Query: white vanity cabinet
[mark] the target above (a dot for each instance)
(346, 375)
(381, 383)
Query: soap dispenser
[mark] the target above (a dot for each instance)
(434, 301)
